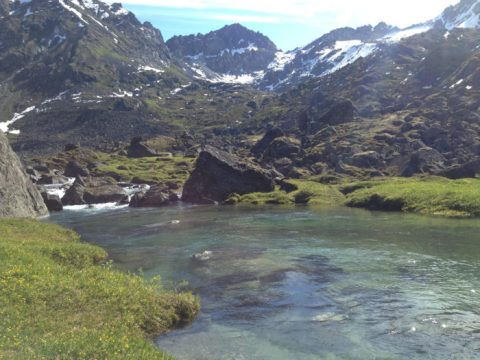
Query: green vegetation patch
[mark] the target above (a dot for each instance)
(162, 168)
(307, 192)
(57, 301)
(147, 170)
(430, 196)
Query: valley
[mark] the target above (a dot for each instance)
(297, 203)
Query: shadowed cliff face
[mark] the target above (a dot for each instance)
(18, 196)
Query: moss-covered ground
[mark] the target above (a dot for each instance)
(59, 300)
(429, 195)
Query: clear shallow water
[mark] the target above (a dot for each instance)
(303, 283)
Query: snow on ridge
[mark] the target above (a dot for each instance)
(150, 68)
(239, 79)
(5, 126)
(73, 11)
(406, 33)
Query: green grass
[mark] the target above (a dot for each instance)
(308, 192)
(429, 196)
(58, 302)
(148, 170)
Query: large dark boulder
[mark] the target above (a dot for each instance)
(94, 191)
(74, 169)
(52, 202)
(139, 150)
(219, 174)
(467, 170)
(156, 196)
(272, 134)
(18, 196)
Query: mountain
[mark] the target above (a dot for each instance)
(325, 55)
(83, 71)
(233, 53)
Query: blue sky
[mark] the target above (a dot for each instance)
(289, 23)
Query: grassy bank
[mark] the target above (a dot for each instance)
(429, 196)
(306, 192)
(57, 302)
(424, 195)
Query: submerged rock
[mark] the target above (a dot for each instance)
(18, 196)
(219, 174)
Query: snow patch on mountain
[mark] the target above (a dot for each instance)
(5, 126)
(464, 16)
(281, 60)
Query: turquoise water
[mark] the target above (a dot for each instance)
(305, 284)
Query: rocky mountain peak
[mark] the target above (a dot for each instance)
(231, 50)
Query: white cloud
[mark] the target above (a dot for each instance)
(343, 12)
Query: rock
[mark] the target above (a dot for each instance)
(18, 196)
(366, 159)
(260, 147)
(70, 147)
(52, 202)
(218, 174)
(138, 150)
(204, 256)
(424, 160)
(52, 180)
(43, 168)
(281, 148)
(283, 165)
(93, 191)
(287, 186)
(467, 170)
(156, 196)
(340, 113)
(74, 169)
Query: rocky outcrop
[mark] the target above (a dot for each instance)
(94, 191)
(219, 174)
(18, 196)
